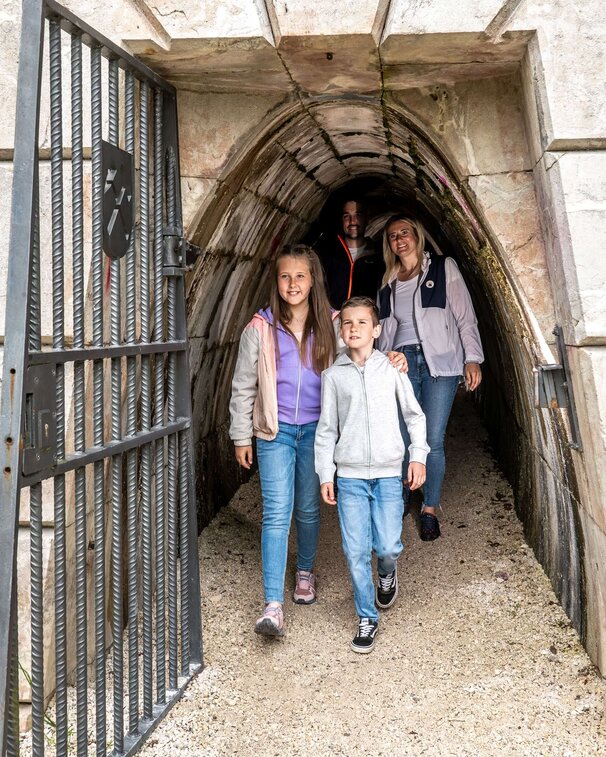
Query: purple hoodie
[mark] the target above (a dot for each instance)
(299, 387)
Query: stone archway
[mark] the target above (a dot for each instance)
(272, 190)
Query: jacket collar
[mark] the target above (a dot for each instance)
(344, 359)
(425, 263)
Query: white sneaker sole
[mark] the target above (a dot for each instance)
(301, 601)
(363, 650)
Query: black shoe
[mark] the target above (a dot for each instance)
(430, 528)
(406, 493)
(364, 641)
(387, 590)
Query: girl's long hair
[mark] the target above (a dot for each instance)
(318, 352)
(392, 262)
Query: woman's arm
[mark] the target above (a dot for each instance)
(464, 314)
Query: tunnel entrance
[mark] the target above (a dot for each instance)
(276, 190)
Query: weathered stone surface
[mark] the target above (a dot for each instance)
(210, 126)
(194, 192)
(217, 65)
(10, 28)
(231, 18)
(589, 372)
(329, 65)
(307, 18)
(582, 178)
(509, 204)
(595, 587)
(571, 75)
(404, 76)
(480, 123)
(440, 17)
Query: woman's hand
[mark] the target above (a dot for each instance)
(473, 376)
(244, 456)
(416, 475)
(327, 491)
(398, 360)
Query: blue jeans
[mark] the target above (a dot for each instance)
(288, 482)
(370, 515)
(435, 395)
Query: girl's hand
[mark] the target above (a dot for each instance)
(416, 475)
(328, 493)
(398, 360)
(244, 456)
(473, 376)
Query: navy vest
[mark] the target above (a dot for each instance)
(433, 289)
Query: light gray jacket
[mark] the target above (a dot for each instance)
(448, 334)
(358, 432)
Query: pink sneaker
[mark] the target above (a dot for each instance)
(305, 588)
(271, 623)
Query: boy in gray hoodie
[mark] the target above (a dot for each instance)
(358, 435)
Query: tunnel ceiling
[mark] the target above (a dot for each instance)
(273, 190)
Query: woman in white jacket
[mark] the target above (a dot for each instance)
(426, 313)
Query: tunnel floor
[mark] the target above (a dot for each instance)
(476, 658)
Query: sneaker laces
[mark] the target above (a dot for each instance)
(274, 613)
(365, 627)
(386, 582)
(304, 577)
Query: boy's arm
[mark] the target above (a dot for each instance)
(327, 432)
(414, 419)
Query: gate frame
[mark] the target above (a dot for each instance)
(16, 343)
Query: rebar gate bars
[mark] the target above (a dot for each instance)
(96, 413)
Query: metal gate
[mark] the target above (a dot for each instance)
(98, 522)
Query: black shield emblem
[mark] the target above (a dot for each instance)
(118, 205)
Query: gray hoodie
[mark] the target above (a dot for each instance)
(358, 428)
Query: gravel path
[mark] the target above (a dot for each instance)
(476, 658)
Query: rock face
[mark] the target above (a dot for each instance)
(485, 119)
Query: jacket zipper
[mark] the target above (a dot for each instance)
(422, 277)
(362, 379)
(298, 393)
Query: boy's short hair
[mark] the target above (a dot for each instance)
(363, 302)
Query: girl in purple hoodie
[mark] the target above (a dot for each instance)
(276, 398)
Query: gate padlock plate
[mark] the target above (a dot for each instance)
(40, 431)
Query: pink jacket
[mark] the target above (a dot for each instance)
(253, 406)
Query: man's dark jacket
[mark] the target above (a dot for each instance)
(347, 278)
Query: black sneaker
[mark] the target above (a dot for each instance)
(406, 496)
(430, 528)
(364, 641)
(387, 590)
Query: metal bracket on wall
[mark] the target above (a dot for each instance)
(553, 389)
(179, 254)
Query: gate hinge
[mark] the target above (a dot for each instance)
(553, 389)
(40, 419)
(179, 254)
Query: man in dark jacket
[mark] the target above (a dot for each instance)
(352, 265)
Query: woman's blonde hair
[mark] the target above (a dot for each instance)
(392, 262)
(320, 351)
